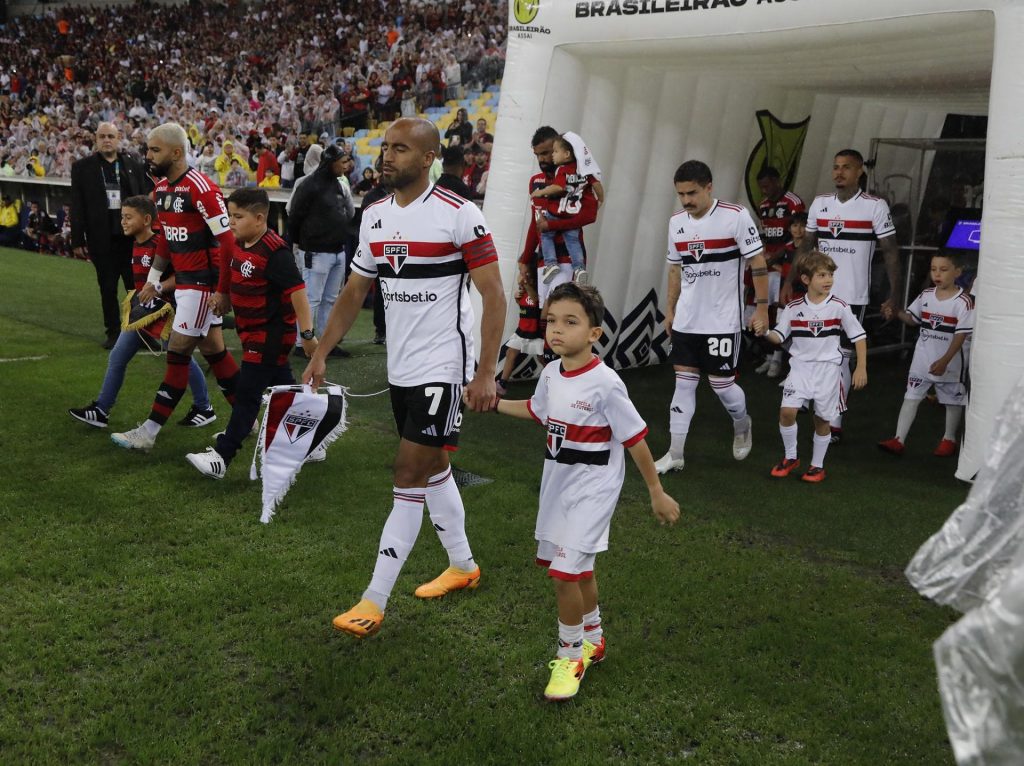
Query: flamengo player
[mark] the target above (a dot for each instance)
(195, 222)
(709, 243)
(845, 225)
(425, 244)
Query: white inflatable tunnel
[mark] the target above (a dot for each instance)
(650, 83)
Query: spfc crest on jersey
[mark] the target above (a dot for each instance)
(395, 255)
(815, 326)
(696, 250)
(298, 425)
(556, 435)
(836, 227)
(934, 320)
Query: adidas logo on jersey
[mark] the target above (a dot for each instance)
(377, 225)
(429, 430)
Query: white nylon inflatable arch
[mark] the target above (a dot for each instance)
(650, 83)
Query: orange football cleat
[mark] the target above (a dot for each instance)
(449, 580)
(361, 621)
(893, 446)
(785, 467)
(946, 448)
(814, 474)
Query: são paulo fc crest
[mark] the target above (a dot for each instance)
(298, 425)
(836, 227)
(396, 255)
(696, 250)
(815, 326)
(556, 435)
(935, 320)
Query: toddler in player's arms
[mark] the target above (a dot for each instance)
(813, 324)
(589, 419)
(137, 217)
(527, 339)
(575, 186)
(945, 315)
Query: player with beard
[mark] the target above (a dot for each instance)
(196, 234)
(425, 244)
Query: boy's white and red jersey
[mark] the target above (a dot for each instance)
(847, 232)
(941, 319)
(712, 251)
(194, 220)
(814, 329)
(423, 254)
(590, 420)
(579, 193)
(776, 215)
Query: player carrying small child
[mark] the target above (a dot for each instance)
(577, 185)
(945, 315)
(589, 419)
(813, 324)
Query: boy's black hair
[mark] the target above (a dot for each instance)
(798, 217)
(253, 200)
(693, 171)
(586, 295)
(143, 204)
(814, 262)
(768, 172)
(542, 134)
(851, 153)
(953, 256)
(452, 156)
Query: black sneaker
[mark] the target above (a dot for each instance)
(197, 418)
(379, 339)
(91, 416)
(339, 353)
(299, 352)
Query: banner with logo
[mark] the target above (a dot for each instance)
(296, 423)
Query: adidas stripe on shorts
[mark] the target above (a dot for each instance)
(192, 313)
(429, 414)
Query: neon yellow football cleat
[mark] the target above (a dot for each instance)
(449, 580)
(565, 680)
(593, 653)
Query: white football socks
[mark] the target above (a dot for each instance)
(396, 541)
(907, 414)
(820, 448)
(570, 641)
(954, 413)
(789, 440)
(732, 398)
(448, 515)
(684, 402)
(592, 626)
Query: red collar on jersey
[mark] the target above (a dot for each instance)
(585, 368)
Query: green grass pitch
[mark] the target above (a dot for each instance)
(147, 616)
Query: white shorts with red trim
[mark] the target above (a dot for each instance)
(565, 563)
(192, 315)
(819, 382)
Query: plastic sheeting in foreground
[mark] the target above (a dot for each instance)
(975, 564)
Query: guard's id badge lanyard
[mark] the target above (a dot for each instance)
(114, 190)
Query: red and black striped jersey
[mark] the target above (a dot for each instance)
(529, 317)
(263, 278)
(776, 215)
(142, 259)
(194, 219)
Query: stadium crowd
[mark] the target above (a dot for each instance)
(254, 77)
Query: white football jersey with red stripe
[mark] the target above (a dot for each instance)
(815, 329)
(940, 320)
(712, 252)
(590, 420)
(423, 254)
(847, 232)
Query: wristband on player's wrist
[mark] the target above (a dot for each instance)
(761, 301)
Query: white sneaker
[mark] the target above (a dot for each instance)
(667, 463)
(762, 368)
(549, 273)
(318, 455)
(208, 463)
(743, 441)
(581, 277)
(137, 438)
(774, 368)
